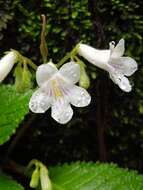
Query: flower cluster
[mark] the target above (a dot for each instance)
(58, 89)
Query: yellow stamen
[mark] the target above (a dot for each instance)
(56, 89)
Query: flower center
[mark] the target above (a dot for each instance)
(57, 91)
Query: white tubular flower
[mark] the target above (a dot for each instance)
(57, 90)
(113, 61)
(6, 64)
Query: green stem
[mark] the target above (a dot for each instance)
(71, 55)
(31, 63)
(27, 60)
(12, 166)
(20, 133)
(64, 59)
(80, 62)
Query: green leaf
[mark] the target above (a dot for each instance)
(7, 183)
(94, 176)
(13, 108)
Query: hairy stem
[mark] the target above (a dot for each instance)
(64, 59)
(32, 64)
(43, 44)
(18, 136)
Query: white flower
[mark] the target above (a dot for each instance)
(6, 64)
(112, 60)
(57, 90)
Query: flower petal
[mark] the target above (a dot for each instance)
(121, 81)
(61, 111)
(119, 49)
(40, 102)
(125, 65)
(70, 71)
(45, 72)
(97, 57)
(79, 97)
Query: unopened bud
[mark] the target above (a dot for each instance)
(6, 64)
(22, 78)
(44, 178)
(84, 78)
(26, 76)
(18, 78)
(35, 178)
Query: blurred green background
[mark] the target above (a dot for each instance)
(111, 128)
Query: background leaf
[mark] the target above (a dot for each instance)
(94, 176)
(7, 183)
(13, 107)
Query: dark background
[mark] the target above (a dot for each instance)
(111, 128)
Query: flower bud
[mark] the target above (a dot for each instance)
(84, 78)
(18, 78)
(44, 178)
(22, 78)
(6, 64)
(35, 178)
(26, 77)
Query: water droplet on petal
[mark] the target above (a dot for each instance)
(43, 105)
(33, 106)
(66, 115)
(80, 97)
(82, 93)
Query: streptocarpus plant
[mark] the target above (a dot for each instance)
(59, 90)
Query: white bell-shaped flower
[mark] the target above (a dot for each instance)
(57, 90)
(6, 64)
(113, 61)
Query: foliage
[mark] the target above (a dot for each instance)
(90, 176)
(8, 183)
(85, 175)
(6, 15)
(96, 23)
(13, 108)
(118, 114)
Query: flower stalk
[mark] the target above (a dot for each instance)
(24, 59)
(43, 45)
(70, 55)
